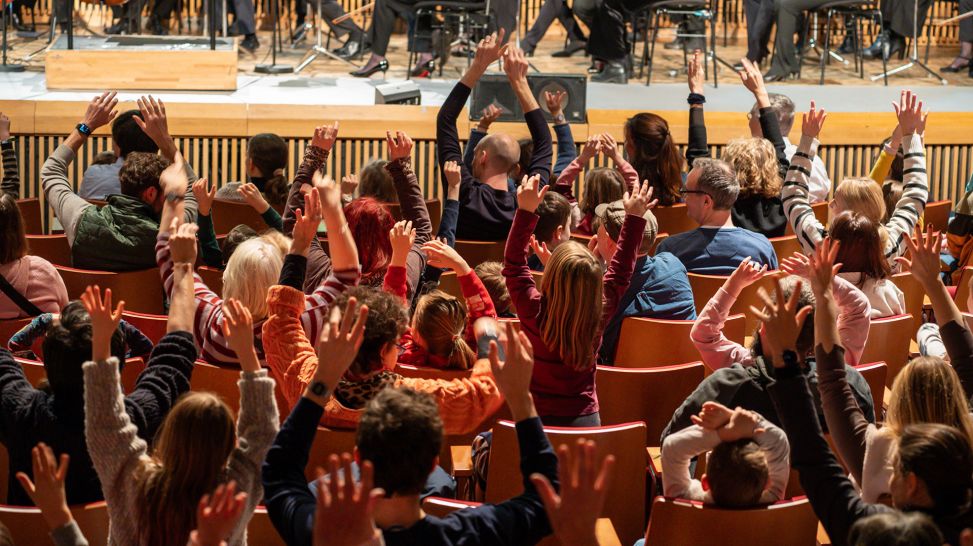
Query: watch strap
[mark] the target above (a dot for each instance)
(83, 129)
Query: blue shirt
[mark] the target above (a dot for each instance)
(101, 180)
(718, 251)
(659, 289)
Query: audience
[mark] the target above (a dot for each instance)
(491, 275)
(120, 235)
(652, 152)
(375, 181)
(102, 180)
(10, 171)
(30, 284)
(210, 251)
(266, 163)
(553, 228)
(486, 204)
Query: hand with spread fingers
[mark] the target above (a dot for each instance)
(443, 256)
(238, 331)
(399, 145)
(340, 340)
(104, 321)
(909, 112)
(743, 276)
(218, 515)
(47, 487)
(253, 197)
(205, 194)
(101, 110)
(925, 264)
(325, 136)
(344, 506)
(639, 200)
(530, 193)
(488, 116)
(782, 322)
(540, 250)
(813, 121)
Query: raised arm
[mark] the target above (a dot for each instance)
(516, 66)
(487, 117)
(883, 164)
(707, 333)
(795, 193)
(10, 174)
(753, 80)
(154, 122)
(252, 196)
(412, 203)
(679, 448)
(48, 493)
(516, 273)
(447, 224)
(698, 147)
(402, 236)
(565, 181)
(566, 150)
(619, 274)
(209, 247)
(915, 191)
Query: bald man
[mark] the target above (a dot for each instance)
(486, 205)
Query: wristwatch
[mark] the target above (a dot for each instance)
(318, 388)
(560, 119)
(83, 129)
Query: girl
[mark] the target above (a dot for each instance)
(37, 281)
(565, 318)
(653, 153)
(601, 185)
(266, 165)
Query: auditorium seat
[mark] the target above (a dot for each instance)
(674, 219)
(9, 327)
(328, 442)
(477, 252)
(53, 248)
(261, 530)
(937, 214)
(874, 374)
(786, 246)
(212, 278)
(35, 373)
(914, 296)
(219, 381)
(140, 290)
(449, 284)
(28, 527)
(961, 279)
(888, 341)
(30, 210)
(678, 521)
(650, 395)
(648, 342)
(434, 206)
(153, 326)
(229, 214)
(625, 500)
(705, 287)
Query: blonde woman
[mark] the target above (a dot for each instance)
(927, 390)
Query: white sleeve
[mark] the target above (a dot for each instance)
(678, 449)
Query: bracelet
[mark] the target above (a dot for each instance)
(696, 98)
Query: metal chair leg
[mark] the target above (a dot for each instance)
(826, 53)
(655, 34)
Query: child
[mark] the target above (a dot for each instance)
(748, 462)
(491, 275)
(553, 228)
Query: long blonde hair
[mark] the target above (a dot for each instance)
(601, 185)
(191, 450)
(250, 272)
(928, 390)
(440, 320)
(755, 163)
(571, 321)
(863, 196)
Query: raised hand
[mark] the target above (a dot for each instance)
(344, 507)
(489, 115)
(713, 416)
(443, 256)
(584, 486)
(47, 488)
(253, 197)
(822, 267)
(217, 515)
(402, 236)
(924, 251)
(696, 73)
(743, 276)
(205, 193)
(909, 112)
(753, 80)
(173, 179)
(104, 322)
(4, 127)
(328, 191)
(182, 242)
(101, 110)
(306, 223)
(609, 147)
(590, 149)
(153, 121)
(515, 64)
(798, 264)
(325, 136)
(400, 146)
(349, 183)
(340, 340)
(555, 101)
(454, 176)
(530, 193)
(540, 250)
(782, 322)
(513, 375)
(639, 200)
(813, 121)
(743, 424)
(489, 50)
(238, 331)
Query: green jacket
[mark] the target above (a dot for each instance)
(117, 237)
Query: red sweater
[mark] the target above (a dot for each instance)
(559, 390)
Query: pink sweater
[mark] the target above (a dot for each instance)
(719, 352)
(38, 281)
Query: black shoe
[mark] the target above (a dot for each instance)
(896, 46)
(570, 49)
(611, 73)
(300, 33)
(351, 48)
(953, 67)
(595, 67)
(878, 47)
(250, 43)
(423, 70)
(774, 76)
(848, 45)
(364, 72)
(117, 28)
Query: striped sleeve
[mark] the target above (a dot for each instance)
(915, 193)
(318, 304)
(795, 196)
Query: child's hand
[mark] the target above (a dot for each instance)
(530, 193)
(253, 197)
(713, 416)
(540, 250)
(402, 235)
(813, 121)
(743, 424)
(205, 193)
(103, 321)
(444, 256)
(47, 488)
(745, 274)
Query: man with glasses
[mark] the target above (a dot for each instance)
(716, 247)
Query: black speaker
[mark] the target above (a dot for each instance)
(495, 89)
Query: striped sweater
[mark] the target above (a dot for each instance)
(902, 221)
(11, 172)
(208, 323)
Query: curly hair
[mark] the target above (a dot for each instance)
(386, 322)
(755, 163)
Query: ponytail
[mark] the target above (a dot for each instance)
(440, 320)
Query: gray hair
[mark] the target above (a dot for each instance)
(784, 108)
(719, 181)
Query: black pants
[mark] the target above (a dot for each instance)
(330, 10)
(760, 16)
(898, 14)
(383, 21)
(551, 10)
(789, 16)
(163, 9)
(606, 24)
(966, 25)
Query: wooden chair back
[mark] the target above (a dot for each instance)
(434, 206)
(416, 372)
(914, 296)
(638, 334)
(53, 248)
(449, 284)
(27, 525)
(35, 372)
(261, 530)
(674, 219)
(937, 214)
(705, 287)
(328, 442)
(888, 341)
(219, 381)
(212, 277)
(785, 246)
(477, 252)
(625, 501)
(821, 212)
(875, 374)
(676, 521)
(229, 214)
(30, 211)
(9, 327)
(140, 290)
(153, 326)
(659, 237)
(650, 395)
(962, 282)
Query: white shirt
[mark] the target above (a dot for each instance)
(819, 183)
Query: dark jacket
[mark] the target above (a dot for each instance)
(29, 416)
(117, 237)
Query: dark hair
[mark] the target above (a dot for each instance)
(376, 182)
(386, 322)
(526, 153)
(129, 136)
(554, 211)
(491, 275)
(236, 237)
(895, 529)
(737, 473)
(940, 456)
(13, 238)
(67, 345)
(861, 246)
(401, 433)
(891, 193)
(268, 152)
(655, 156)
(141, 171)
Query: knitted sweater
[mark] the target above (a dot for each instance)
(463, 403)
(119, 454)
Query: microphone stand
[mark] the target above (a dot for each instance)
(13, 67)
(914, 56)
(273, 67)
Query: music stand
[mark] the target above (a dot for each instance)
(273, 67)
(914, 56)
(7, 67)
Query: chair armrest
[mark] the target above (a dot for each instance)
(462, 458)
